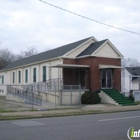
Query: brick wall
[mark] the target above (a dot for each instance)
(69, 76)
(94, 71)
(69, 61)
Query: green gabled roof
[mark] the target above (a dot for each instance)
(57, 52)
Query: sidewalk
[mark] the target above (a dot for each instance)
(84, 110)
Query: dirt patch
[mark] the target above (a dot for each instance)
(14, 106)
(2, 97)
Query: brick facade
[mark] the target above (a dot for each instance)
(93, 75)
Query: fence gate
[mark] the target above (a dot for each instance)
(70, 95)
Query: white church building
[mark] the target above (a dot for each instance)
(93, 64)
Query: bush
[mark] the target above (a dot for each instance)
(90, 98)
(131, 97)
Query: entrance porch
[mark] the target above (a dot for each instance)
(74, 75)
(90, 78)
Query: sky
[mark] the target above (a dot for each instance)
(25, 23)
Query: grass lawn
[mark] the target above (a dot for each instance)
(4, 111)
(138, 103)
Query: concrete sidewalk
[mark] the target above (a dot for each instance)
(88, 109)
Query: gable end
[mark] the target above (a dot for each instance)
(107, 50)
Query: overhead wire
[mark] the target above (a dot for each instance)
(85, 17)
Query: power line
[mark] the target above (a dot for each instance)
(90, 18)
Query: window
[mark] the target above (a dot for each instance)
(19, 76)
(44, 73)
(2, 79)
(26, 76)
(13, 77)
(34, 75)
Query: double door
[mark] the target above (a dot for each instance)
(106, 78)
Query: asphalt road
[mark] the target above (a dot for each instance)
(112, 126)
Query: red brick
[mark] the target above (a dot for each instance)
(94, 71)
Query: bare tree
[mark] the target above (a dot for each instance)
(130, 62)
(6, 57)
(29, 52)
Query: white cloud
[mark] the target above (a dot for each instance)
(31, 22)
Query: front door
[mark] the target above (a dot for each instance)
(106, 78)
(82, 78)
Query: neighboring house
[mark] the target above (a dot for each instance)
(131, 79)
(91, 63)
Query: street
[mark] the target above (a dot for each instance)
(111, 126)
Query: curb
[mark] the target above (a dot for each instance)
(47, 114)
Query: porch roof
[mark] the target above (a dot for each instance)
(136, 80)
(69, 66)
(109, 66)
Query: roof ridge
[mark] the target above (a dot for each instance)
(53, 53)
(54, 48)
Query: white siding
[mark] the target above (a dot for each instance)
(3, 88)
(128, 84)
(7, 81)
(106, 51)
(8, 76)
(54, 71)
(135, 86)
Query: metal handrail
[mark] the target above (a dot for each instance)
(25, 94)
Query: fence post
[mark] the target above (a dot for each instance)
(55, 95)
(61, 94)
(79, 96)
(71, 95)
(32, 95)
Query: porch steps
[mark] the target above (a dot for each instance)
(118, 97)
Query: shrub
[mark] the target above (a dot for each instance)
(131, 97)
(90, 98)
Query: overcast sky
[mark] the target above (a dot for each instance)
(25, 23)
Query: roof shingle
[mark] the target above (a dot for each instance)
(135, 71)
(94, 46)
(45, 55)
